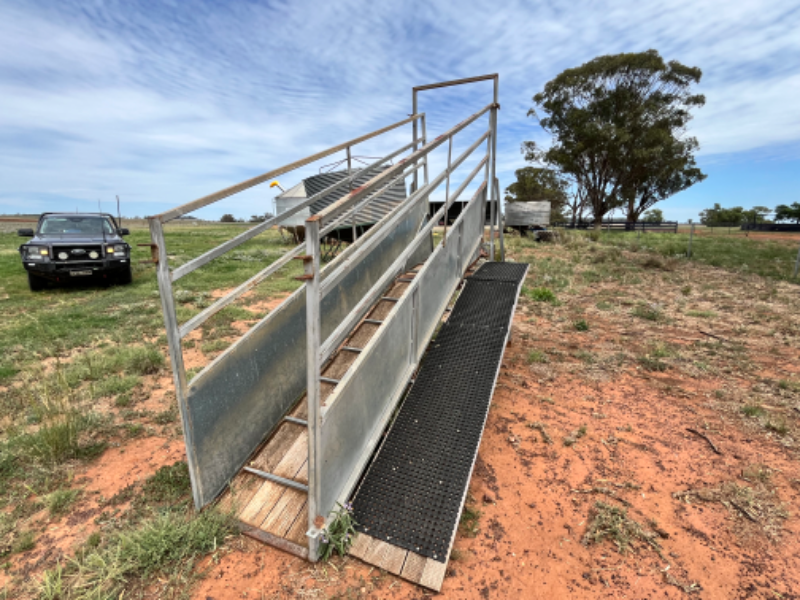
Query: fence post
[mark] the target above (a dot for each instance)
(691, 236)
(796, 264)
(311, 263)
(501, 225)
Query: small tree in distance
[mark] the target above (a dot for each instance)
(654, 215)
(227, 218)
(788, 213)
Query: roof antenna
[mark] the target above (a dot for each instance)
(119, 215)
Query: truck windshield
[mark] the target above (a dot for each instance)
(76, 226)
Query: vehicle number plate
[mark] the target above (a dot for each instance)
(80, 273)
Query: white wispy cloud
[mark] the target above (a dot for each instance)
(165, 102)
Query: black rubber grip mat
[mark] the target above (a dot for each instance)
(412, 492)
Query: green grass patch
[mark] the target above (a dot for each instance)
(701, 314)
(469, 525)
(581, 325)
(649, 312)
(752, 410)
(170, 484)
(537, 357)
(59, 502)
(163, 546)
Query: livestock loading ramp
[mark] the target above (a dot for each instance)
(283, 425)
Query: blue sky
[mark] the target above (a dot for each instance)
(162, 103)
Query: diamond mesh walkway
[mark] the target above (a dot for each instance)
(413, 492)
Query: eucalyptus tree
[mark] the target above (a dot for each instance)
(618, 127)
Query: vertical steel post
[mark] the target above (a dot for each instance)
(424, 141)
(349, 173)
(691, 236)
(492, 174)
(313, 340)
(447, 189)
(175, 348)
(796, 264)
(501, 225)
(416, 139)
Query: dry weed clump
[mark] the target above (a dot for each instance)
(613, 523)
(756, 503)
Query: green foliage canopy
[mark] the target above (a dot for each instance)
(617, 124)
(785, 212)
(654, 215)
(535, 184)
(717, 215)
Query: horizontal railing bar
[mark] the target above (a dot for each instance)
(207, 257)
(330, 380)
(277, 479)
(341, 332)
(354, 253)
(431, 86)
(351, 349)
(217, 306)
(239, 187)
(296, 421)
(373, 321)
(390, 299)
(404, 279)
(331, 211)
(221, 303)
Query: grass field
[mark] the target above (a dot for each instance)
(77, 366)
(761, 253)
(83, 376)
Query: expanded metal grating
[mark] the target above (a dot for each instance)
(412, 493)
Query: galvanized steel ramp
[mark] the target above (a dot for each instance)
(409, 502)
(274, 510)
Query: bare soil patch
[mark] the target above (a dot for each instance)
(583, 419)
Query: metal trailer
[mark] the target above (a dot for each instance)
(235, 402)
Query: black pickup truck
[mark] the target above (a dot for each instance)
(67, 246)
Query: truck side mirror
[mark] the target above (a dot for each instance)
(123, 231)
(25, 232)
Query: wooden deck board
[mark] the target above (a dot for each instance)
(297, 533)
(282, 516)
(411, 566)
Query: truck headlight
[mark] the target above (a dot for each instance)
(118, 250)
(36, 253)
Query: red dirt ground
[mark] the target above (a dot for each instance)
(536, 499)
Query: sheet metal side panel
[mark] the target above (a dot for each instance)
(439, 278)
(361, 403)
(243, 394)
(359, 407)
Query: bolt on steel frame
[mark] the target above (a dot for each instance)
(234, 402)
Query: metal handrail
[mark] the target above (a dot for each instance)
(287, 257)
(239, 187)
(205, 258)
(345, 202)
(363, 245)
(337, 337)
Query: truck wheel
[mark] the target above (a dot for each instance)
(36, 283)
(126, 276)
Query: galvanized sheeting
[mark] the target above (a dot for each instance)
(374, 212)
(527, 213)
(240, 397)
